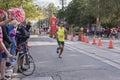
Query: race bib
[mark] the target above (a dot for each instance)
(61, 36)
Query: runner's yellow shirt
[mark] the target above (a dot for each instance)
(60, 33)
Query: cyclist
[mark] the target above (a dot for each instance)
(60, 35)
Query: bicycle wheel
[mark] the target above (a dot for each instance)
(15, 66)
(26, 64)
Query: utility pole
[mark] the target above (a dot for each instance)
(63, 9)
(63, 2)
(98, 14)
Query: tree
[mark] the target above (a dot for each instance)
(50, 10)
(81, 12)
(78, 14)
(32, 11)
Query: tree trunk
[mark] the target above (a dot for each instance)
(98, 19)
(21, 3)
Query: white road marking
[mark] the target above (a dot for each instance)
(35, 78)
(96, 57)
(37, 43)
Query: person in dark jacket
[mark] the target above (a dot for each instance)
(28, 26)
(22, 34)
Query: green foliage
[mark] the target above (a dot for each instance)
(84, 12)
(49, 10)
(6, 4)
(32, 11)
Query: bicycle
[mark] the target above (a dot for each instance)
(24, 62)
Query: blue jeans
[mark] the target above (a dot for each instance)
(12, 50)
(4, 55)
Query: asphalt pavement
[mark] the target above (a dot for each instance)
(80, 60)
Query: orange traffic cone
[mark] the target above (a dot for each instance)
(72, 38)
(94, 41)
(110, 44)
(84, 39)
(81, 38)
(87, 40)
(99, 42)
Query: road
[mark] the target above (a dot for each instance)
(80, 61)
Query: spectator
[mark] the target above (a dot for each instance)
(3, 45)
(2, 16)
(12, 33)
(92, 29)
(28, 26)
(22, 34)
(108, 31)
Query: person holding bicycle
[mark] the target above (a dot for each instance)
(60, 35)
(22, 36)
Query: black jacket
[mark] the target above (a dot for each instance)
(6, 39)
(21, 34)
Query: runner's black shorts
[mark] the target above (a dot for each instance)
(60, 42)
